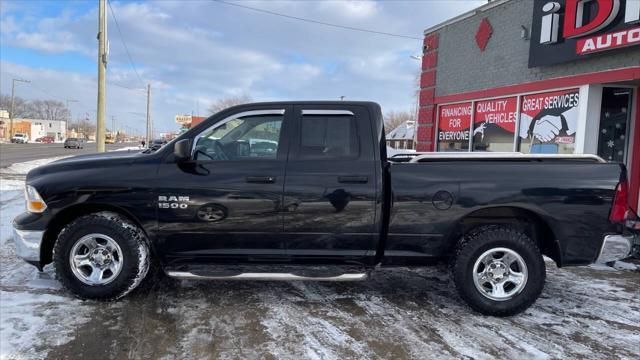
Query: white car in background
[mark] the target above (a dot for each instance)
(19, 138)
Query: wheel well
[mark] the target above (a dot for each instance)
(66, 216)
(527, 221)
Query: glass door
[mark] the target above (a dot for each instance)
(613, 142)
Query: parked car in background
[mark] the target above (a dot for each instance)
(19, 138)
(74, 143)
(157, 144)
(45, 139)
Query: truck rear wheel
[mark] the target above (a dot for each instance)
(498, 270)
(101, 256)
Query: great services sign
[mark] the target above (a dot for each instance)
(566, 30)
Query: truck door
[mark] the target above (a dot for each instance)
(330, 186)
(226, 201)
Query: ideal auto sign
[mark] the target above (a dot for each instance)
(566, 30)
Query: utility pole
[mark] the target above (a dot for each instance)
(69, 115)
(102, 67)
(149, 124)
(13, 94)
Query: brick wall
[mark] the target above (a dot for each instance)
(426, 126)
(462, 67)
(453, 63)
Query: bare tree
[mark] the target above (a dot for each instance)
(393, 119)
(21, 107)
(222, 104)
(49, 110)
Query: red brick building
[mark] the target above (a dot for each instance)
(535, 77)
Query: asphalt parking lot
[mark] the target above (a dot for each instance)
(401, 313)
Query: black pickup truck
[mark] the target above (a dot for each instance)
(304, 191)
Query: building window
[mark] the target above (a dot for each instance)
(548, 122)
(454, 122)
(494, 124)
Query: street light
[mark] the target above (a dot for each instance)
(13, 91)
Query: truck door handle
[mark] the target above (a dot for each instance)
(261, 179)
(353, 179)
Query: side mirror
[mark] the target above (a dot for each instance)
(181, 150)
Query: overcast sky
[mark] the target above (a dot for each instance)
(194, 52)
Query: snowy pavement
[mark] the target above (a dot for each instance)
(589, 312)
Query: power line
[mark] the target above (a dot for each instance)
(316, 21)
(113, 14)
(120, 85)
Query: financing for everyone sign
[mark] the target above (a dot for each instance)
(566, 30)
(495, 124)
(454, 124)
(548, 122)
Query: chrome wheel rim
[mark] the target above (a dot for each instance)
(500, 274)
(96, 259)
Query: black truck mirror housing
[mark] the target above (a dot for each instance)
(181, 150)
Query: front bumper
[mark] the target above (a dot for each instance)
(614, 247)
(28, 244)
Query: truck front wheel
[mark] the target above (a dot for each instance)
(498, 270)
(101, 256)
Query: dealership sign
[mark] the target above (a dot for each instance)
(494, 124)
(567, 30)
(454, 124)
(549, 121)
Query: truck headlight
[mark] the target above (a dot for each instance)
(35, 204)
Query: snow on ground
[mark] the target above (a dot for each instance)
(29, 315)
(398, 313)
(24, 167)
(127, 148)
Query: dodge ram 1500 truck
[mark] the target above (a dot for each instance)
(304, 191)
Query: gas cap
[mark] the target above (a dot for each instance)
(442, 200)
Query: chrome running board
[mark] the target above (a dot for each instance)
(266, 276)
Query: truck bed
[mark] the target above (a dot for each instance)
(434, 194)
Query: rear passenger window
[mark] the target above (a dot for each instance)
(329, 137)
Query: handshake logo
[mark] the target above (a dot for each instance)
(550, 127)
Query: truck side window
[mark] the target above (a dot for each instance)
(329, 137)
(244, 138)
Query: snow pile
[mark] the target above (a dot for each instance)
(24, 167)
(622, 265)
(129, 148)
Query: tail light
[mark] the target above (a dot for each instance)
(620, 205)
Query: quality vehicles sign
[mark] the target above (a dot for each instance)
(566, 30)
(454, 123)
(494, 124)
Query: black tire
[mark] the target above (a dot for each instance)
(483, 239)
(132, 242)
